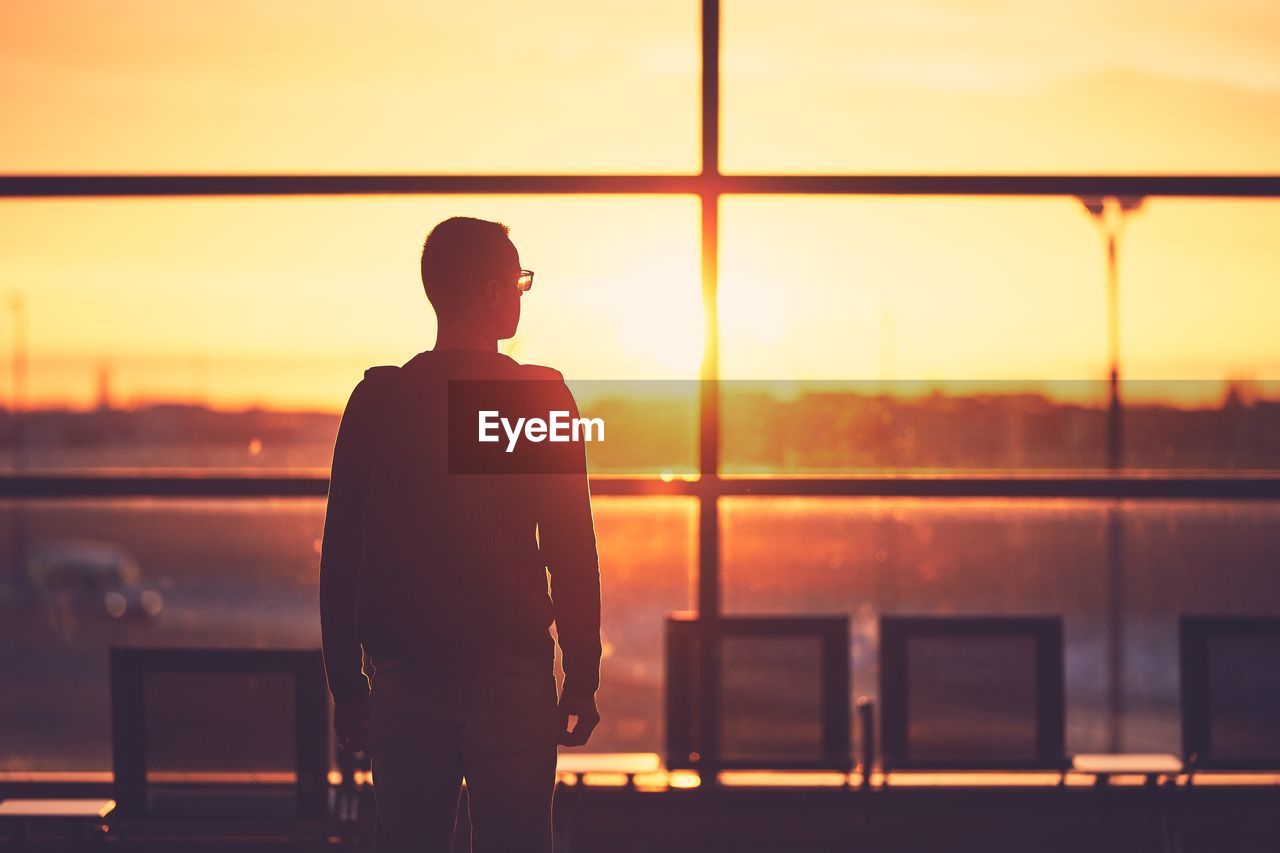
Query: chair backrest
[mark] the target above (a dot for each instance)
(228, 732)
(1230, 685)
(971, 693)
(778, 690)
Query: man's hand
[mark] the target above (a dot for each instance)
(351, 724)
(582, 707)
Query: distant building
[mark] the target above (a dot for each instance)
(104, 387)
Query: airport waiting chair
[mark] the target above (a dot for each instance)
(971, 693)
(1230, 686)
(757, 693)
(210, 745)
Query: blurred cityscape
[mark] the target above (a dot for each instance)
(815, 430)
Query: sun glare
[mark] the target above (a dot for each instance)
(662, 335)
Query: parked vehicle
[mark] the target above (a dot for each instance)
(91, 577)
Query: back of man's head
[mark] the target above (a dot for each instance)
(459, 255)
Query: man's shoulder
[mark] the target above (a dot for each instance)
(375, 381)
(540, 371)
(384, 379)
(376, 384)
(549, 384)
(379, 372)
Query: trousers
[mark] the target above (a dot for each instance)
(494, 725)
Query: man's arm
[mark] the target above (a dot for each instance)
(567, 538)
(341, 552)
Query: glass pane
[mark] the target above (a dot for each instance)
(1136, 86)
(1199, 558)
(1197, 280)
(887, 288)
(243, 573)
(282, 303)
(1009, 427)
(648, 553)
(907, 288)
(868, 557)
(975, 334)
(151, 86)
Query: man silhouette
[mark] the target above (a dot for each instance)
(436, 582)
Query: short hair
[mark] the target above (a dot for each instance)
(458, 254)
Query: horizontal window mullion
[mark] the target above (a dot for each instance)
(90, 186)
(58, 487)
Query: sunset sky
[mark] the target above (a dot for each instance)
(283, 302)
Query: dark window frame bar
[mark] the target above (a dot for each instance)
(203, 485)
(708, 185)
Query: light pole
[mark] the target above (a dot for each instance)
(1111, 219)
(18, 426)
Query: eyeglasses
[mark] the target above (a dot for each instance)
(525, 282)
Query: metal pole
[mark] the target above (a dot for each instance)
(709, 420)
(1115, 436)
(18, 375)
(1114, 534)
(708, 683)
(17, 415)
(1116, 634)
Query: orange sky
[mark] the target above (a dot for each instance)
(284, 301)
